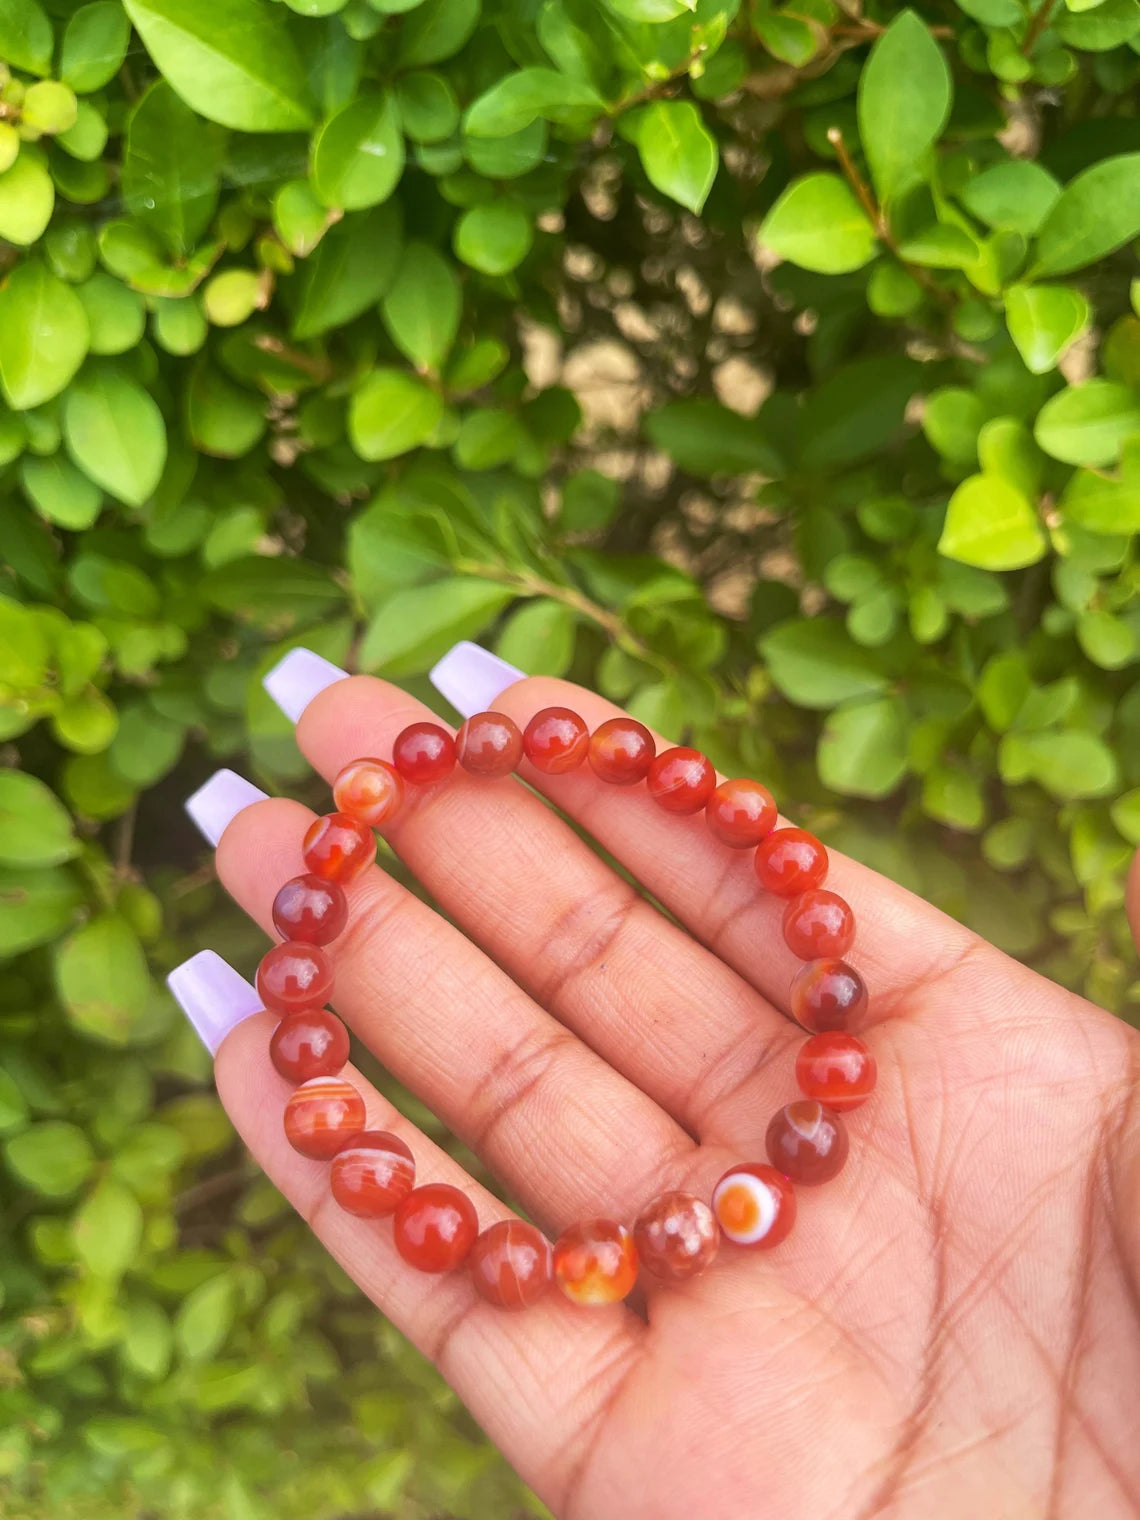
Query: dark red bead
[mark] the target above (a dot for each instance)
(621, 751)
(556, 740)
(828, 994)
(676, 1237)
(818, 923)
(790, 861)
(310, 1043)
(338, 848)
(681, 780)
(807, 1142)
(293, 976)
(424, 753)
(511, 1264)
(741, 813)
(435, 1227)
(836, 1069)
(372, 1174)
(310, 909)
(489, 745)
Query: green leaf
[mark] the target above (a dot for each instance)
(678, 153)
(27, 196)
(116, 315)
(1088, 424)
(423, 305)
(43, 335)
(232, 61)
(392, 412)
(818, 224)
(347, 272)
(494, 238)
(1012, 197)
(1108, 641)
(436, 30)
(427, 106)
(952, 420)
(815, 664)
(54, 1159)
(418, 625)
(991, 524)
(1099, 29)
(904, 101)
(1043, 320)
(265, 590)
(35, 907)
(94, 46)
(107, 1230)
(148, 1341)
(358, 155)
(102, 979)
(518, 99)
(1069, 765)
(224, 419)
(205, 1318)
(652, 11)
(60, 493)
(35, 828)
(539, 637)
(952, 796)
(706, 438)
(115, 433)
(25, 36)
(1097, 213)
(863, 749)
(1101, 503)
(170, 169)
(856, 411)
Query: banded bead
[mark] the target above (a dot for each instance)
(489, 745)
(741, 813)
(310, 909)
(827, 994)
(755, 1205)
(818, 923)
(621, 751)
(369, 790)
(309, 1043)
(681, 780)
(836, 1069)
(435, 1227)
(556, 740)
(807, 1142)
(676, 1237)
(338, 848)
(511, 1264)
(790, 861)
(424, 753)
(372, 1174)
(322, 1115)
(293, 976)
(595, 1262)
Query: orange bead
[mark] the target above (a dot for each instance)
(790, 861)
(322, 1115)
(489, 745)
(293, 976)
(676, 1237)
(807, 1142)
(836, 1069)
(828, 994)
(372, 1174)
(681, 780)
(511, 1264)
(370, 790)
(310, 909)
(310, 1043)
(435, 1227)
(818, 923)
(741, 813)
(621, 751)
(595, 1262)
(424, 753)
(556, 740)
(338, 848)
(754, 1205)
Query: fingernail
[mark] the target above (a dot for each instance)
(212, 996)
(297, 678)
(471, 678)
(220, 799)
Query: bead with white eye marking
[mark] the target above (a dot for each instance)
(754, 1205)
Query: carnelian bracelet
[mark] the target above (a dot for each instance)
(373, 1172)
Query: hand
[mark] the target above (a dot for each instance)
(953, 1327)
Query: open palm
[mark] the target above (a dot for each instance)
(953, 1327)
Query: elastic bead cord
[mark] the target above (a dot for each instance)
(435, 1226)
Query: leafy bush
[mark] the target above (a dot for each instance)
(770, 367)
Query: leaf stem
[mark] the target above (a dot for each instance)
(1037, 24)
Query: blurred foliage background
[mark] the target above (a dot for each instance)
(774, 368)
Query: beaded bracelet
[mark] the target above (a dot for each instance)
(435, 1226)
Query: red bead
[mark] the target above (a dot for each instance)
(836, 1069)
(818, 923)
(828, 994)
(676, 1237)
(424, 753)
(556, 740)
(310, 1043)
(338, 847)
(490, 744)
(372, 1174)
(621, 751)
(754, 1205)
(790, 861)
(595, 1262)
(511, 1264)
(370, 790)
(681, 780)
(293, 976)
(435, 1227)
(322, 1115)
(741, 813)
(310, 909)
(807, 1142)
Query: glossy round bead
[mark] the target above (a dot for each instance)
(424, 753)
(828, 994)
(511, 1264)
(681, 780)
(310, 1043)
(556, 740)
(836, 1069)
(595, 1262)
(370, 790)
(490, 745)
(807, 1142)
(676, 1237)
(338, 848)
(754, 1205)
(322, 1115)
(293, 976)
(790, 861)
(818, 923)
(621, 751)
(435, 1227)
(310, 909)
(372, 1174)
(741, 813)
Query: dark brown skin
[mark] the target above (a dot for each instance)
(953, 1327)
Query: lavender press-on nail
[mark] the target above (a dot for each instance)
(471, 677)
(217, 801)
(212, 996)
(297, 678)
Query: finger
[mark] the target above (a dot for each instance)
(538, 1382)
